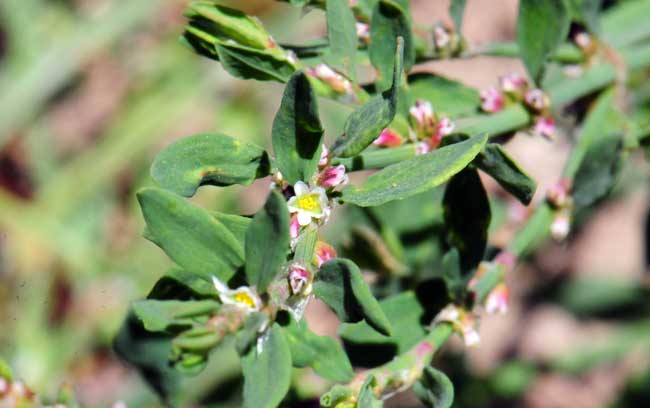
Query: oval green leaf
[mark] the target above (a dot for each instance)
(267, 242)
(190, 235)
(340, 285)
(209, 158)
(434, 389)
(416, 175)
(297, 133)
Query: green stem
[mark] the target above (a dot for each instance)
(566, 53)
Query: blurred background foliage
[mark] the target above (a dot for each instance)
(90, 90)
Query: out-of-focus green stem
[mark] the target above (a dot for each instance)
(565, 53)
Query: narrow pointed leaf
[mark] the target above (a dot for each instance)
(297, 133)
(366, 123)
(267, 373)
(416, 175)
(250, 63)
(447, 96)
(190, 235)
(213, 159)
(248, 334)
(236, 224)
(496, 162)
(541, 26)
(267, 242)
(340, 285)
(456, 11)
(390, 19)
(322, 353)
(434, 389)
(342, 33)
(161, 315)
(467, 217)
(598, 171)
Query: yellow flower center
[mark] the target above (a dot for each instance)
(245, 298)
(309, 202)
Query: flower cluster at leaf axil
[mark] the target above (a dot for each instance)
(559, 197)
(426, 129)
(515, 89)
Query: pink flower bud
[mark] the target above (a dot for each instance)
(324, 157)
(445, 127)
(324, 252)
(463, 321)
(558, 194)
(333, 176)
(497, 300)
(363, 32)
(513, 84)
(561, 226)
(422, 112)
(388, 138)
(583, 40)
(336, 81)
(298, 278)
(492, 100)
(422, 148)
(536, 99)
(294, 226)
(441, 37)
(545, 126)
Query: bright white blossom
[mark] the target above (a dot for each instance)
(243, 296)
(388, 138)
(492, 100)
(308, 203)
(561, 225)
(333, 176)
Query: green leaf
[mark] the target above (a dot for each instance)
(297, 133)
(178, 283)
(236, 224)
(496, 162)
(434, 389)
(322, 353)
(467, 217)
(267, 374)
(416, 175)
(267, 242)
(149, 353)
(446, 96)
(452, 274)
(306, 245)
(190, 235)
(340, 285)
(162, 315)
(456, 11)
(366, 123)
(390, 19)
(404, 313)
(250, 63)
(587, 12)
(230, 24)
(5, 370)
(367, 397)
(541, 26)
(598, 171)
(342, 33)
(213, 159)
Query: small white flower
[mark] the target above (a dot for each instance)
(561, 226)
(463, 321)
(308, 203)
(243, 296)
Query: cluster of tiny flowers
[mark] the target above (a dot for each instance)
(463, 321)
(559, 197)
(514, 88)
(445, 42)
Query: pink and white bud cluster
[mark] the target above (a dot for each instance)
(464, 322)
(537, 100)
(363, 32)
(559, 197)
(329, 176)
(512, 88)
(337, 82)
(429, 127)
(492, 100)
(545, 127)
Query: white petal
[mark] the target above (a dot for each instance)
(221, 287)
(300, 188)
(304, 218)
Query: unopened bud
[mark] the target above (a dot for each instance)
(537, 100)
(561, 226)
(513, 84)
(492, 100)
(497, 300)
(324, 252)
(333, 176)
(299, 279)
(545, 127)
(388, 138)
